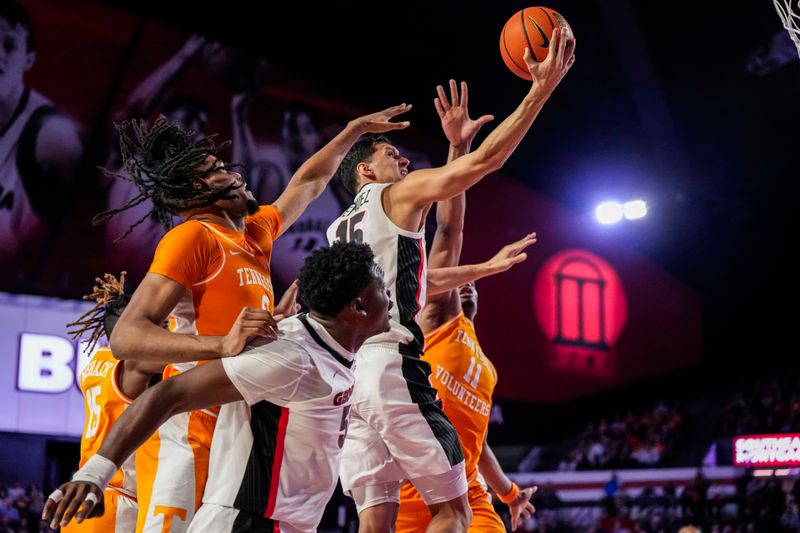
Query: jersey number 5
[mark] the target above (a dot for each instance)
(349, 229)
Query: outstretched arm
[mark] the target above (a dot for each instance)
(493, 473)
(460, 130)
(313, 176)
(203, 386)
(423, 187)
(448, 278)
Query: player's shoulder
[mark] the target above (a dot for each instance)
(189, 231)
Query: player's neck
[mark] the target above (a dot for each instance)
(217, 216)
(9, 103)
(341, 333)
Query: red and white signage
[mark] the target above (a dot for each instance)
(767, 450)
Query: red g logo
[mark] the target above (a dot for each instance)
(580, 305)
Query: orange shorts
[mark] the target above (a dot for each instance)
(171, 472)
(119, 516)
(414, 516)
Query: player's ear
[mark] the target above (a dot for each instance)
(357, 306)
(364, 169)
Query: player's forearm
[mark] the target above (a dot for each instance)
(140, 420)
(320, 167)
(449, 236)
(503, 140)
(448, 278)
(492, 472)
(141, 340)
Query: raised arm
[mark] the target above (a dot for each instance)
(460, 131)
(445, 279)
(139, 334)
(423, 187)
(313, 176)
(204, 386)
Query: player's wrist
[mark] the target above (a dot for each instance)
(510, 496)
(98, 470)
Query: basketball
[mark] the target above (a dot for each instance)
(531, 27)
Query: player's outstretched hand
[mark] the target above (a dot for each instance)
(380, 122)
(510, 254)
(288, 305)
(454, 114)
(555, 66)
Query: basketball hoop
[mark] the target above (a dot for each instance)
(790, 16)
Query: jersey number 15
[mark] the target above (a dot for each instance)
(349, 229)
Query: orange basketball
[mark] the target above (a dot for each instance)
(531, 27)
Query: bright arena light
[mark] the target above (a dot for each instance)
(609, 212)
(634, 209)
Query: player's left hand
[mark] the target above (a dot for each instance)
(521, 507)
(510, 254)
(380, 122)
(454, 114)
(81, 497)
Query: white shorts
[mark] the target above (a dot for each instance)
(212, 518)
(397, 428)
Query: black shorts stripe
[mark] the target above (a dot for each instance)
(250, 523)
(254, 492)
(407, 286)
(416, 373)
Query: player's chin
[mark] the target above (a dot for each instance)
(252, 206)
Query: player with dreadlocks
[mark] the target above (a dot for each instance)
(212, 275)
(108, 387)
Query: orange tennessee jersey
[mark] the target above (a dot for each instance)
(104, 402)
(465, 380)
(222, 271)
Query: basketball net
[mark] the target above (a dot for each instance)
(790, 16)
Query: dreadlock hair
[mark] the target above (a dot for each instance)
(110, 300)
(163, 162)
(332, 277)
(361, 151)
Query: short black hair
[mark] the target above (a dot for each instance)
(15, 14)
(332, 277)
(361, 151)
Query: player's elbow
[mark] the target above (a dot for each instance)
(123, 340)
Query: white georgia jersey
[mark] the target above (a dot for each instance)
(276, 454)
(399, 252)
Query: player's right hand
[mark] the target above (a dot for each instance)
(522, 508)
(250, 323)
(559, 60)
(73, 500)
